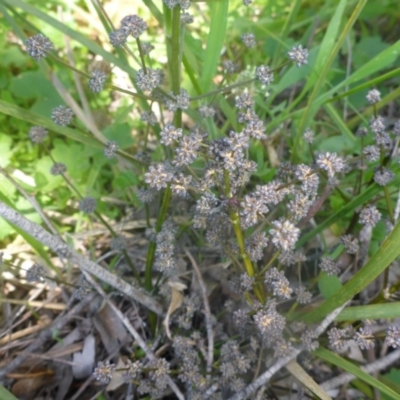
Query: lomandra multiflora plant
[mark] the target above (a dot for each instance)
(222, 219)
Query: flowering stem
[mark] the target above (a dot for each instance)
(270, 262)
(173, 51)
(235, 219)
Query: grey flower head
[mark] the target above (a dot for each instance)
(96, 82)
(62, 115)
(264, 75)
(133, 25)
(37, 134)
(38, 46)
(299, 55)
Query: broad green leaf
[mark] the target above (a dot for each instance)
(356, 371)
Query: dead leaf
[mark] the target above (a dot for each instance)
(26, 387)
(302, 376)
(117, 379)
(176, 302)
(84, 361)
(112, 331)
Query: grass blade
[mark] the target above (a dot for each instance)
(329, 49)
(372, 311)
(383, 257)
(5, 394)
(36, 119)
(215, 41)
(356, 371)
(89, 44)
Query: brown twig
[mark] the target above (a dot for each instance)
(207, 313)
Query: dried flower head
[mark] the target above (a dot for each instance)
(338, 339)
(278, 283)
(158, 176)
(269, 322)
(186, 18)
(110, 149)
(369, 216)
(350, 243)
(331, 163)
(284, 235)
(133, 370)
(88, 205)
(249, 40)
(133, 25)
(37, 134)
(329, 266)
(181, 101)
(299, 55)
(118, 37)
(372, 153)
(149, 80)
(383, 176)
(104, 371)
(35, 273)
(58, 169)
(393, 336)
(376, 124)
(373, 96)
(38, 46)
(309, 136)
(62, 115)
(149, 117)
(264, 75)
(97, 81)
(230, 67)
(364, 338)
(170, 134)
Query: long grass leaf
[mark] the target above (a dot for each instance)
(82, 39)
(5, 394)
(215, 41)
(372, 311)
(381, 61)
(356, 371)
(358, 201)
(383, 257)
(36, 119)
(329, 49)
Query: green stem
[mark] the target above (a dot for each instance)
(235, 219)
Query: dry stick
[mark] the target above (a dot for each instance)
(45, 335)
(31, 200)
(281, 362)
(207, 312)
(59, 246)
(133, 332)
(375, 366)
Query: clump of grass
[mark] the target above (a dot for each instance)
(237, 194)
